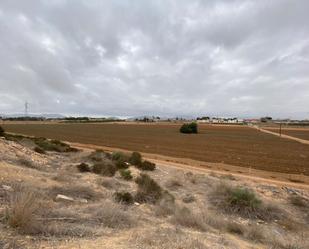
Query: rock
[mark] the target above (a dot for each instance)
(82, 200)
(7, 188)
(136, 204)
(64, 198)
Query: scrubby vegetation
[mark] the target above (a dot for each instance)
(147, 165)
(189, 128)
(126, 174)
(83, 167)
(1, 131)
(104, 168)
(124, 197)
(135, 159)
(53, 145)
(242, 201)
(39, 150)
(148, 189)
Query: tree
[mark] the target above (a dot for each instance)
(189, 128)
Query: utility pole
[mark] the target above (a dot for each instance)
(280, 129)
(26, 108)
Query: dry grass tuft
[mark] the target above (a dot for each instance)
(299, 201)
(75, 191)
(173, 184)
(166, 238)
(22, 212)
(113, 215)
(27, 163)
(255, 233)
(148, 189)
(185, 217)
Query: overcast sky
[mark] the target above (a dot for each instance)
(168, 57)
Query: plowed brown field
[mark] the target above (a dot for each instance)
(302, 133)
(241, 146)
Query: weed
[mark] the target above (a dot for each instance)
(146, 165)
(39, 150)
(136, 158)
(105, 168)
(236, 228)
(126, 174)
(27, 163)
(148, 189)
(185, 217)
(298, 201)
(83, 167)
(124, 197)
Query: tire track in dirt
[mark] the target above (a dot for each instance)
(303, 141)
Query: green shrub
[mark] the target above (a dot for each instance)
(1, 132)
(189, 128)
(121, 164)
(120, 156)
(126, 174)
(136, 158)
(39, 150)
(243, 202)
(148, 189)
(83, 167)
(146, 165)
(53, 145)
(105, 168)
(124, 197)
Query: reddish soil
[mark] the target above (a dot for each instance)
(234, 145)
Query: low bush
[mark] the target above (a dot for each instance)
(113, 215)
(27, 163)
(189, 128)
(22, 211)
(126, 174)
(148, 189)
(233, 227)
(243, 202)
(147, 165)
(184, 217)
(124, 197)
(83, 167)
(39, 150)
(120, 156)
(1, 131)
(136, 158)
(105, 168)
(299, 201)
(53, 145)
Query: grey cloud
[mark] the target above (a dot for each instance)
(243, 58)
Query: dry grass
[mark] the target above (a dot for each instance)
(299, 201)
(148, 189)
(112, 215)
(23, 211)
(27, 163)
(76, 191)
(185, 217)
(255, 233)
(173, 184)
(166, 238)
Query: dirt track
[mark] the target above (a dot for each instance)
(303, 141)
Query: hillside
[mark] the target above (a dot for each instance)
(50, 200)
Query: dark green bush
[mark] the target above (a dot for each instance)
(121, 164)
(124, 197)
(53, 145)
(244, 202)
(189, 128)
(39, 150)
(1, 132)
(105, 168)
(148, 189)
(126, 174)
(146, 165)
(83, 167)
(136, 158)
(120, 156)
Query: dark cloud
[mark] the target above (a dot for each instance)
(243, 58)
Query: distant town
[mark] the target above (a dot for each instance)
(153, 119)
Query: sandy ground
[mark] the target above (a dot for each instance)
(150, 231)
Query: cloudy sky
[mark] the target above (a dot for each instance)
(162, 57)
